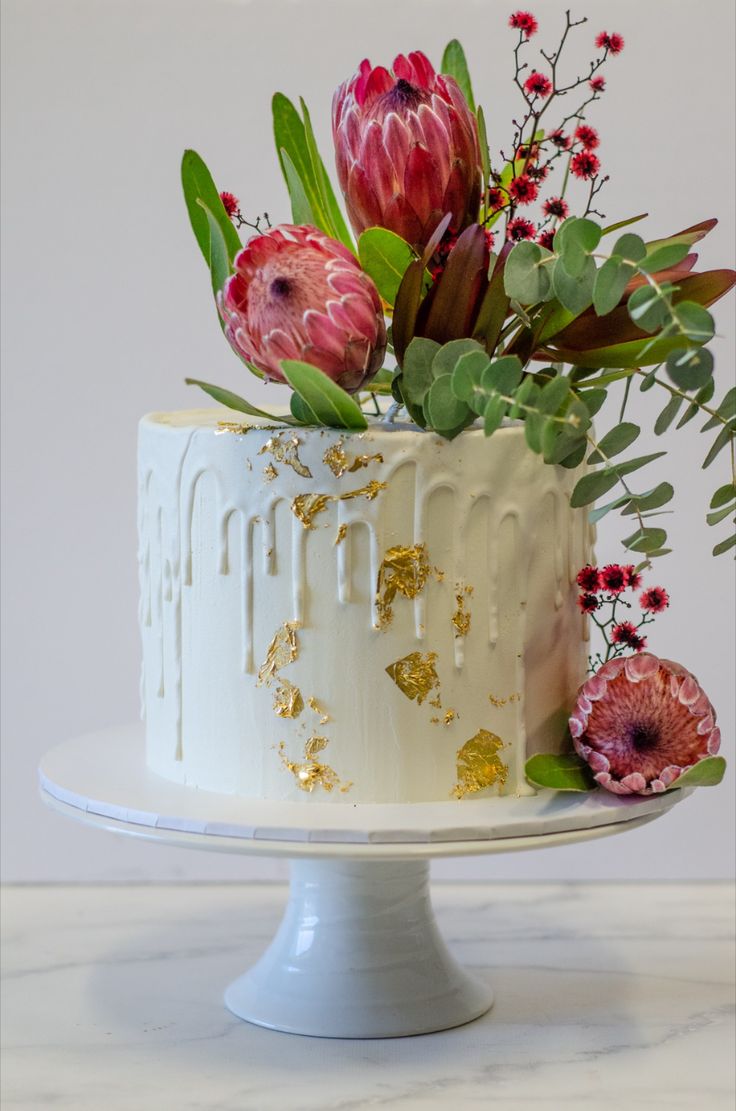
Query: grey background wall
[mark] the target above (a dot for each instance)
(106, 309)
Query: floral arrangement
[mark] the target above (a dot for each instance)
(503, 303)
(465, 289)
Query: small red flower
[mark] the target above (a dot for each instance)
(626, 633)
(585, 165)
(589, 578)
(524, 22)
(633, 578)
(587, 136)
(546, 239)
(519, 229)
(613, 578)
(537, 84)
(556, 206)
(496, 198)
(654, 600)
(613, 43)
(597, 84)
(588, 603)
(230, 203)
(490, 238)
(523, 189)
(537, 173)
(525, 152)
(559, 139)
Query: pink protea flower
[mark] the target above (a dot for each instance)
(407, 149)
(640, 722)
(298, 294)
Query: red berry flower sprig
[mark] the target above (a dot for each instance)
(601, 596)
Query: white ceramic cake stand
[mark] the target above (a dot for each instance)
(358, 953)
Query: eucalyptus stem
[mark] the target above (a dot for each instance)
(630, 494)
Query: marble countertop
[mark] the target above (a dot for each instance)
(607, 996)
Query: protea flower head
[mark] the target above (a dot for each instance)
(298, 294)
(407, 149)
(640, 722)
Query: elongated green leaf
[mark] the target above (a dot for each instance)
(219, 262)
(724, 437)
(723, 495)
(493, 414)
(302, 412)
(301, 206)
(725, 545)
(719, 515)
(688, 235)
(198, 186)
(559, 773)
(610, 283)
(664, 257)
(233, 401)
(708, 772)
(485, 159)
(328, 205)
(631, 465)
(385, 257)
(624, 223)
(615, 441)
(726, 410)
(455, 64)
(592, 486)
(652, 499)
(702, 397)
(600, 511)
(668, 414)
(325, 398)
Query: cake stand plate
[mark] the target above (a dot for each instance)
(358, 953)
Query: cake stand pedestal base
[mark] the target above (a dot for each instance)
(358, 955)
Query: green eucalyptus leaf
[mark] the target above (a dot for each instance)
(694, 321)
(448, 355)
(417, 377)
(702, 397)
(725, 545)
(575, 457)
(553, 395)
(494, 413)
(719, 515)
(385, 257)
(723, 438)
(466, 377)
(690, 368)
(455, 64)
(610, 282)
(708, 772)
(648, 309)
(574, 292)
(329, 402)
(526, 278)
(559, 773)
(502, 375)
(664, 257)
(597, 514)
(233, 401)
(723, 495)
(198, 186)
(615, 441)
(647, 540)
(726, 410)
(445, 413)
(630, 247)
(632, 465)
(525, 395)
(668, 414)
(593, 399)
(651, 499)
(592, 486)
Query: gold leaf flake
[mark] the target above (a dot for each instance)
(306, 507)
(479, 765)
(499, 702)
(450, 716)
(342, 531)
(415, 675)
(371, 491)
(285, 449)
(339, 463)
(270, 472)
(311, 773)
(287, 700)
(403, 571)
(434, 721)
(231, 426)
(324, 717)
(436, 702)
(461, 616)
(282, 650)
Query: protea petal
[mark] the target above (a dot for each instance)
(635, 729)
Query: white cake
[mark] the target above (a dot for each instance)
(375, 617)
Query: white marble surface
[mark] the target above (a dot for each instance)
(607, 996)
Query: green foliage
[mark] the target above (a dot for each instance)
(385, 257)
(455, 64)
(312, 197)
(324, 399)
(527, 274)
(234, 401)
(560, 773)
(201, 197)
(708, 772)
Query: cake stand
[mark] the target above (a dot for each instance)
(358, 953)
